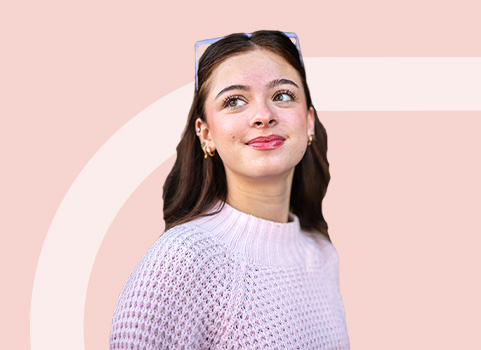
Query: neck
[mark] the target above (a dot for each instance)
(265, 198)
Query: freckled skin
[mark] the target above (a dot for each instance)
(258, 112)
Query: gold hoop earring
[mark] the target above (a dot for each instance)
(207, 150)
(310, 138)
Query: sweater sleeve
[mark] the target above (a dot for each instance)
(171, 299)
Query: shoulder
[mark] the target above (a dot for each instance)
(183, 247)
(167, 297)
(184, 260)
(325, 247)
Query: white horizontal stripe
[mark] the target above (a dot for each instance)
(395, 83)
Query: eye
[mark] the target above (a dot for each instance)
(284, 96)
(233, 102)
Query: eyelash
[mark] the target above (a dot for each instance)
(228, 99)
(287, 92)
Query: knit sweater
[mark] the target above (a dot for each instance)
(233, 281)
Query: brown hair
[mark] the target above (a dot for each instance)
(195, 184)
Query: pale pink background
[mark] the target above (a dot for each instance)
(405, 194)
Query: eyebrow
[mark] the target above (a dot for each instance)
(276, 82)
(233, 87)
(271, 85)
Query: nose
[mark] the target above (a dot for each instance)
(264, 116)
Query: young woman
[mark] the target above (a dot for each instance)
(245, 261)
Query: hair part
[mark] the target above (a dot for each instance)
(195, 185)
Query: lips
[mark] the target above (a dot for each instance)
(264, 139)
(266, 142)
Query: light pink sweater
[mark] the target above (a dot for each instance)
(233, 281)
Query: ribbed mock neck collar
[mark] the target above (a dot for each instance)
(266, 242)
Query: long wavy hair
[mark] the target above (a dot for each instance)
(195, 184)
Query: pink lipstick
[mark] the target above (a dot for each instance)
(265, 143)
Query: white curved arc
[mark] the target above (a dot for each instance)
(87, 211)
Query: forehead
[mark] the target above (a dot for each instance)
(257, 67)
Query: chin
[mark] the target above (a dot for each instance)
(270, 170)
(263, 165)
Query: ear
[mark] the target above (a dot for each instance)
(311, 121)
(204, 134)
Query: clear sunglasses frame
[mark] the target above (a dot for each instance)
(214, 40)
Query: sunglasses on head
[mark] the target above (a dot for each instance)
(212, 41)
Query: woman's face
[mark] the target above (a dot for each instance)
(256, 116)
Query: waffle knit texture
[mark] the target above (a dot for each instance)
(233, 281)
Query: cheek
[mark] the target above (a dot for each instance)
(225, 126)
(299, 124)
(224, 132)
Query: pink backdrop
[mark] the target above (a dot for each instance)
(403, 205)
